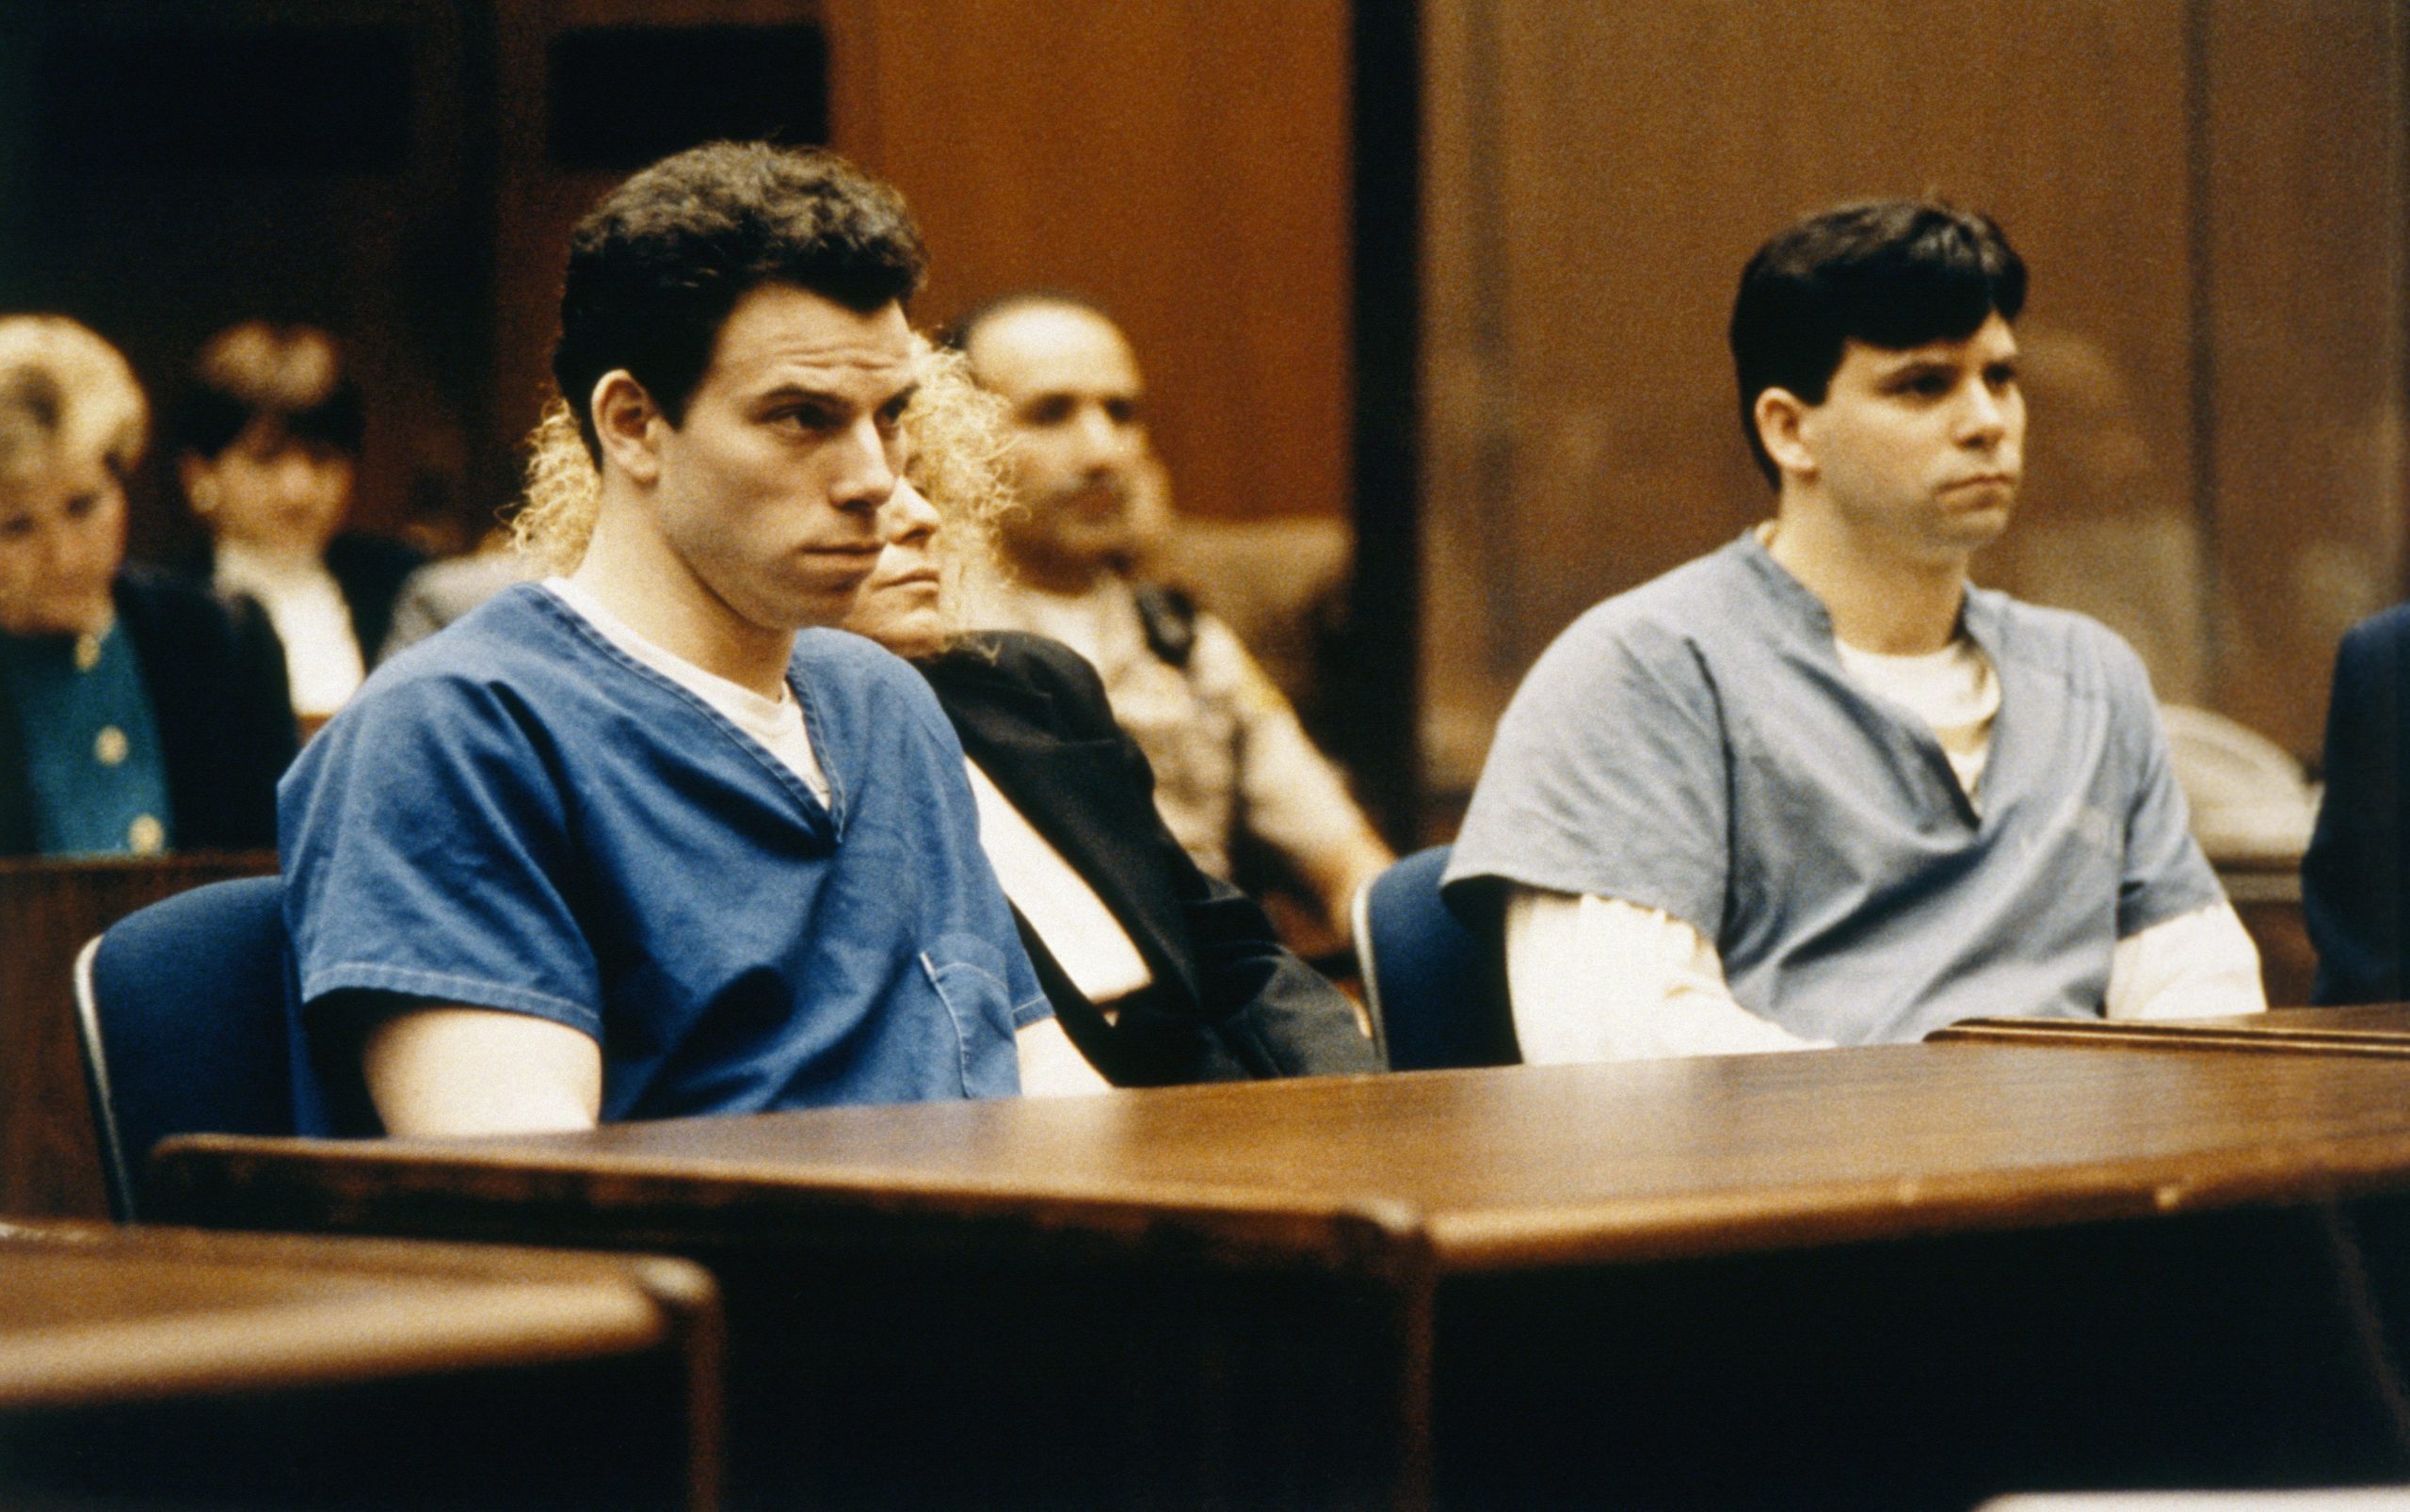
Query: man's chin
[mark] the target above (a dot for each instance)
(1990, 525)
(1099, 543)
(804, 608)
(1977, 523)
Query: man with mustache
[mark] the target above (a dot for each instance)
(1817, 788)
(1234, 768)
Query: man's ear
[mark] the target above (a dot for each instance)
(1781, 418)
(628, 424)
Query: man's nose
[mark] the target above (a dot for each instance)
(1101, 439)
(1984, 418)
(866, 476)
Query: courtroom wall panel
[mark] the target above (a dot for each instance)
(1185, 162)
(175, 166)
(2189, 180)
(2302, 362)
(409, 170)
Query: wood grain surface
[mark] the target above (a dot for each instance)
(1495, 1170)
(2379, 1029)
(1530, 1286)
(168, 1344)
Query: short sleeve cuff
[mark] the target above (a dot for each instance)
(445, 987)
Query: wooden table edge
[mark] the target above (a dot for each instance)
(425, 1325)
(498, 1305)
(1640, 1229)
(1394, 1239)
(2132, 1034)
(352, 1185)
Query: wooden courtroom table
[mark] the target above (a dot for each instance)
(50, 1162)
(161, 1368)
(1907, 1276)
(2381, 1030)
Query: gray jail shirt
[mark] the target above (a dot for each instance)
(1695, 745)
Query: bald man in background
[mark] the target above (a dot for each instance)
(1234, 771)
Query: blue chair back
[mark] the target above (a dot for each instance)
(1437, 989)
(181, 1009)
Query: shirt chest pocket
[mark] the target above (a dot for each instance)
(968, 979)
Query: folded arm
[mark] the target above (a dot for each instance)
(2197, 965)
(1595, 978)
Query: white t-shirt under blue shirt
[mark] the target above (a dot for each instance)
(1696, 746)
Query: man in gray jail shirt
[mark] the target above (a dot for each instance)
(1816, 788)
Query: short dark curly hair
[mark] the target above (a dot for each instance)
(1889, 273)
(656, 267)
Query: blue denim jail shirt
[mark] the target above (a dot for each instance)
(515, 814)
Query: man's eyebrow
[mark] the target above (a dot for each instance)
(902, 397)
(1902, 364)
(800, 393)
(1895, 357)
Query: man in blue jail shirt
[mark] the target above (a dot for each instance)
(1816, 788)
(635, 842)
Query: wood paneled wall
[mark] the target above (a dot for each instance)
(1183, 161)
(2209, 194)
(2302, 225)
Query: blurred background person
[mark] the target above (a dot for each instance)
(268, 441)
(2101, 530)
(137, 713)
(442, 591)
(1235, 775)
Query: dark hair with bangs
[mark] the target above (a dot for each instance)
(655, 268)
(288, 380)
(1889, 273)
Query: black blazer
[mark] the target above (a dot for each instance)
(2355, 880)
(215, 676)
(1228, 1000)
